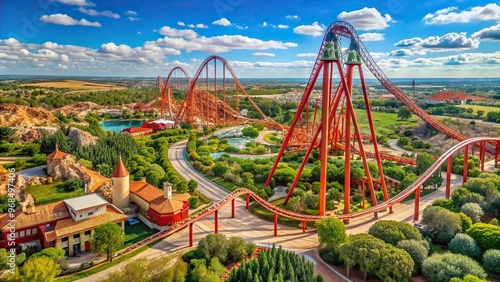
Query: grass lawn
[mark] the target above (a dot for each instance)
(49, 193)
(384, 123)
(136, 233)
(476, 108)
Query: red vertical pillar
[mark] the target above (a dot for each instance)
(482, 154)
(190, 234)
(417, 203)
(216, 219)
(496, 154)
(325, 117)
(448, 177)
(247, 201)
(232, 208)
(275, 224)
(303, 226)
(466, 163)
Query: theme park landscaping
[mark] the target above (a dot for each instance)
(332, 160)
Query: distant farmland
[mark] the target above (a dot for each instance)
(476, 108)
(76, 85)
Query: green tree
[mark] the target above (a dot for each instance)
(108, 238)
(193, 202)
(38, 269)
(465, 245)
(250, 132)
(236, 249)
(443, 267)
(4, 203)
(404, 113)
(192, 185)
(468, 278)
(473, 210)
(181, 187)
(466, 221)
(6, 132)
(418, 250)
(491, 260)
(31, 149)
(214, 245)
(392, 232)
(331, 231)
(73, 184)
(424, 161)
(441, 224)
(487, 236)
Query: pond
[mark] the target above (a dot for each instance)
(119, 125)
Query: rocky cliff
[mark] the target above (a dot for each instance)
(80, 109)
(21, 116)
(67, 168)
(81, 138)
(34, 133)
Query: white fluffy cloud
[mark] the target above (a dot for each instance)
(366, 19)
(401, 53)
(283, 26)
(63, 19)
(94, 13)
(223, 43)
(314, 29)
(447, 42)
(307, 55)
(489, 12)
(249, 65)
(131, 13)
(173, 32)
(371, 36)
(77, 2)
(263, 54)
(200, 25)
(292, 17)
(181, 23)
(223, 22)
(133, 19)
(489, 33)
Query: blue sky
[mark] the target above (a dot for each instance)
(407, 38)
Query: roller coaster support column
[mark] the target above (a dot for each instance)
(232, 208)
(325, 118)
(482, 154)
(303, 226)
(417, 202)
(466, 163)
(347, 153)
(275, 224)
(216, 219)
(496, 154)
(448, 178)
(247, 200)
(190, 234)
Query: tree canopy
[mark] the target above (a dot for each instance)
(108, 238)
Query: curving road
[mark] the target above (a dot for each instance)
(259, 231)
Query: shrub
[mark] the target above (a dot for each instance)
(193, 202)
(465, 245)
(443, 267)
(441, 224)
(473, 210)
(468, 278)
(466, 221)
(491, 260)
(418, 250)
(392, 232)
(487, 236)
(73, 184)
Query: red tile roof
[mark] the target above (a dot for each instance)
(56, 154)
(156, 197)
(43, 214)
(137, 129)
(120, 170)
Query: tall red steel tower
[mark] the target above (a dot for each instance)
(336, 124)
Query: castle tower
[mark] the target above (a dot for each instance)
(121, 185)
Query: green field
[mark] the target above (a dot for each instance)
(49, 193)
(476, 108)
(384, 123)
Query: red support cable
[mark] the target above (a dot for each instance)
(448, 178)
(374, 135)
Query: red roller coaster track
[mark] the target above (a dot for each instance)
(413, 188)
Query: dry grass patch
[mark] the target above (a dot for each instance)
(76, 85)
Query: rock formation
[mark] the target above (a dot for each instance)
(80, 109)
(34, 133)
(106, 191)
(81, 138)
(67, 168)
(21, 116)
